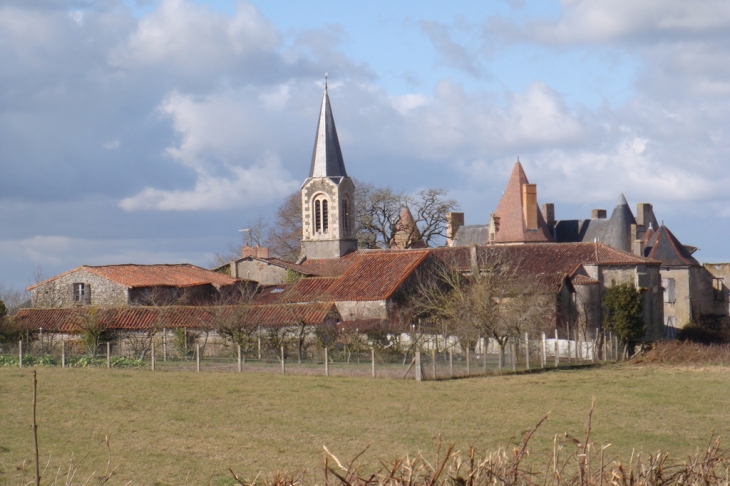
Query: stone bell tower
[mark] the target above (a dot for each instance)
(327, 195)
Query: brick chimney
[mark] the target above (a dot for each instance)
(254, 251)
(529, 205)
(454, 221)
(598, 214)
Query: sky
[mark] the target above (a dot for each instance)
(151, 131)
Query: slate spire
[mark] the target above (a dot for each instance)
(327, 158)
(618, 230)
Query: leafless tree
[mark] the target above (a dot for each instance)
(495, 299)
(256, 232)
(232, 317)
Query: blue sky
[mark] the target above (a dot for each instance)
(152, 130)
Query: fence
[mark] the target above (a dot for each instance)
(408, 356)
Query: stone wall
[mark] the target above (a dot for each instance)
(258, 271)
(351, 310)
(59, 291)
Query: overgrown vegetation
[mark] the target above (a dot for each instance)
(624, 307)
(686, 353)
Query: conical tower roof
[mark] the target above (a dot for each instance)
(327, 158)
(617, 233)
(665, 247)
(512, 227)
(406, 232)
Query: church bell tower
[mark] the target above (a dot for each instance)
(327, 195)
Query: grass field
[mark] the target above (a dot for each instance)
(177, 427)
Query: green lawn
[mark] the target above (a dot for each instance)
(169, 426)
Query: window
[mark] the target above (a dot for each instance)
(669, 294)
(346, 215)
(321, 214)
(718, 289)
(81, 293)
(318, 216)
(325, 219)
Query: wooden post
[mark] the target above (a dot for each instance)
(485, 348)
(372, 360)
(35, 431)
(240, 368)
(605, 348)
(578, 348)
(527, 351)
(164, 344)
(593, 350)
(567, 334)
(63, 353)
(185, 341)
(197, 356)
(326, 363)
(433, 362)
(513, 355)
(419, 376)
(467, 360)
(557, 350)
(283, 362)
(451, 363)
(152, 360)
(259, 339)
(108, 355)
(543, 351)
(20, 353)
(500, 358)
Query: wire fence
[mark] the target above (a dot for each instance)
(422, 357)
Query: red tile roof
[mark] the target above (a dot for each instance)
(173, 275)
(372, 275)
(193, 317)
(512, 226)
(544, 258)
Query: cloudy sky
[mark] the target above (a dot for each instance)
(152, 130)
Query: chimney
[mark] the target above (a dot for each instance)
(598, 214)
(454, 221)
(529, 206)
(638, 249)
(644, 214)
(254, 251)
(548, 213)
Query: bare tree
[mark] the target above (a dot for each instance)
(232, 317)
(255, 232)
(284, 236)
(495, 299)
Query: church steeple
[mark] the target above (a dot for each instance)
(327, 158)
(327, 195)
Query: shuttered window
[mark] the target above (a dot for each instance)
(669, 294)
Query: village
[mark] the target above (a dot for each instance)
(555, 274)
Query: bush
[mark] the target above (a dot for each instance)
(686, 353)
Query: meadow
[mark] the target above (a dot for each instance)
(180, 427)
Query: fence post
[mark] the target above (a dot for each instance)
(20, 353)
(557, 350)
(63, 353)
(372, 360)
(593, 349)
(567, 334)
(543, 351)
(164, 344)
(152, 356)
(605, 348)
(527, 351)
(467, 360)
(239, 358)
(451, 363)
(326, 363)
(433, 362)
(108, 355)
(419, 376)
(283, 363)
(485, 348)
(513, 355)
(197, 356)
(259, 341)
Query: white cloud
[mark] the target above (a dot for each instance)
(264, 183)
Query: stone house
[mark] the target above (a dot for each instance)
(122, 285)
